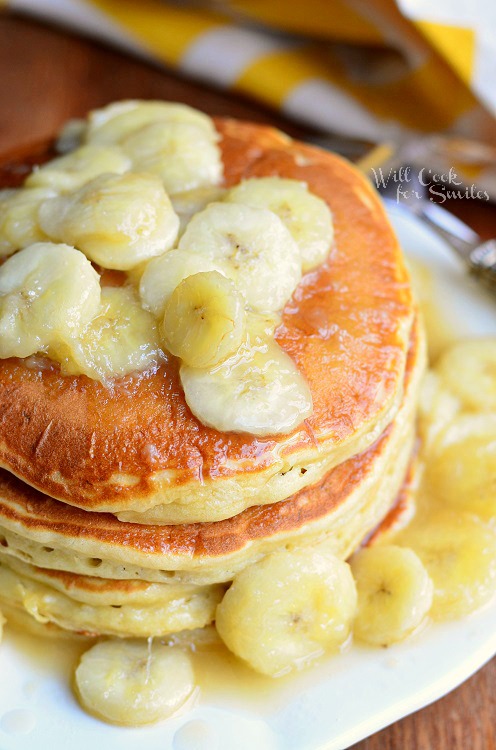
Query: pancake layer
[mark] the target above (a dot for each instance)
(96, 606)
(341, 509)
(136, 451)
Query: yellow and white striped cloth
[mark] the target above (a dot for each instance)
(378, 70)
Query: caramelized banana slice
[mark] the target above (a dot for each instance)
(184, 155)
(72, 171)
(19, 224)
(437, 409)
(258, 390)
(284, 611)
(459, 552)
(462, 472)
(252, 247)
(116, 121)
(469, 371)
(163, 274)
(48, 293)
(307, 216)
(118, 221)
(204, 320)
(394, 594)
(122, 338)
(134, 682)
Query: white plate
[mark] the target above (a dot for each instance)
(330, 707)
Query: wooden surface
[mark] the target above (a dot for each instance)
(46, 77)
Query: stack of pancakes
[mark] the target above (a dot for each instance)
(121, 514)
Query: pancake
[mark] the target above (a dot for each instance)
(136, 451)
(339, 510)
(106, 607)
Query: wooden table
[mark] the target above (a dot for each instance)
(47, 76)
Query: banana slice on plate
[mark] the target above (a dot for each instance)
(252, 247)
(284, 611)
(163, 274)
(118, 221)
(113, 123)
(462, 472)
(184, 155)
(19, 224)
(307, 216)
(122, 338)
(204, 320)
(72, 171)
(469, 371)
(437, 408)
(258, 390)
(48, 293)
(394, 594)
(133, 682)
(458, 551)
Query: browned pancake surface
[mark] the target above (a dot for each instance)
(346, 327)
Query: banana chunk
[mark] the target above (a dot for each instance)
(184, 155)
(252, 247)
(284, 611)
(462, 472)
(113, 123)
(72, 171)
(204, 320)
(134, 682)
(437, 409)
(307, 216)
(48, 293)
(19, 224)
(191, 202)
(118, 221)
(122, 338)
(394, 594)
(163, 274)
(469, 371)
(459, 552)
(258, 390)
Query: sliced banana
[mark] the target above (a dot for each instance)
(252, 247)
(47, 293)
(260, 328)
(459, 552)
(307, 216)
(122, 338)
(113, 123)
(118, 221)
(469, 371)
(437, 408)
(72, 171)
(285, 610)
(185, 156)
(163, 274)
(191, 202)
(258, 390)
(134, 682)
(19, 224)
(204, 320)
(462, 472)
(394, 594)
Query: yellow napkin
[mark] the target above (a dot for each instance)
(371, 69)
